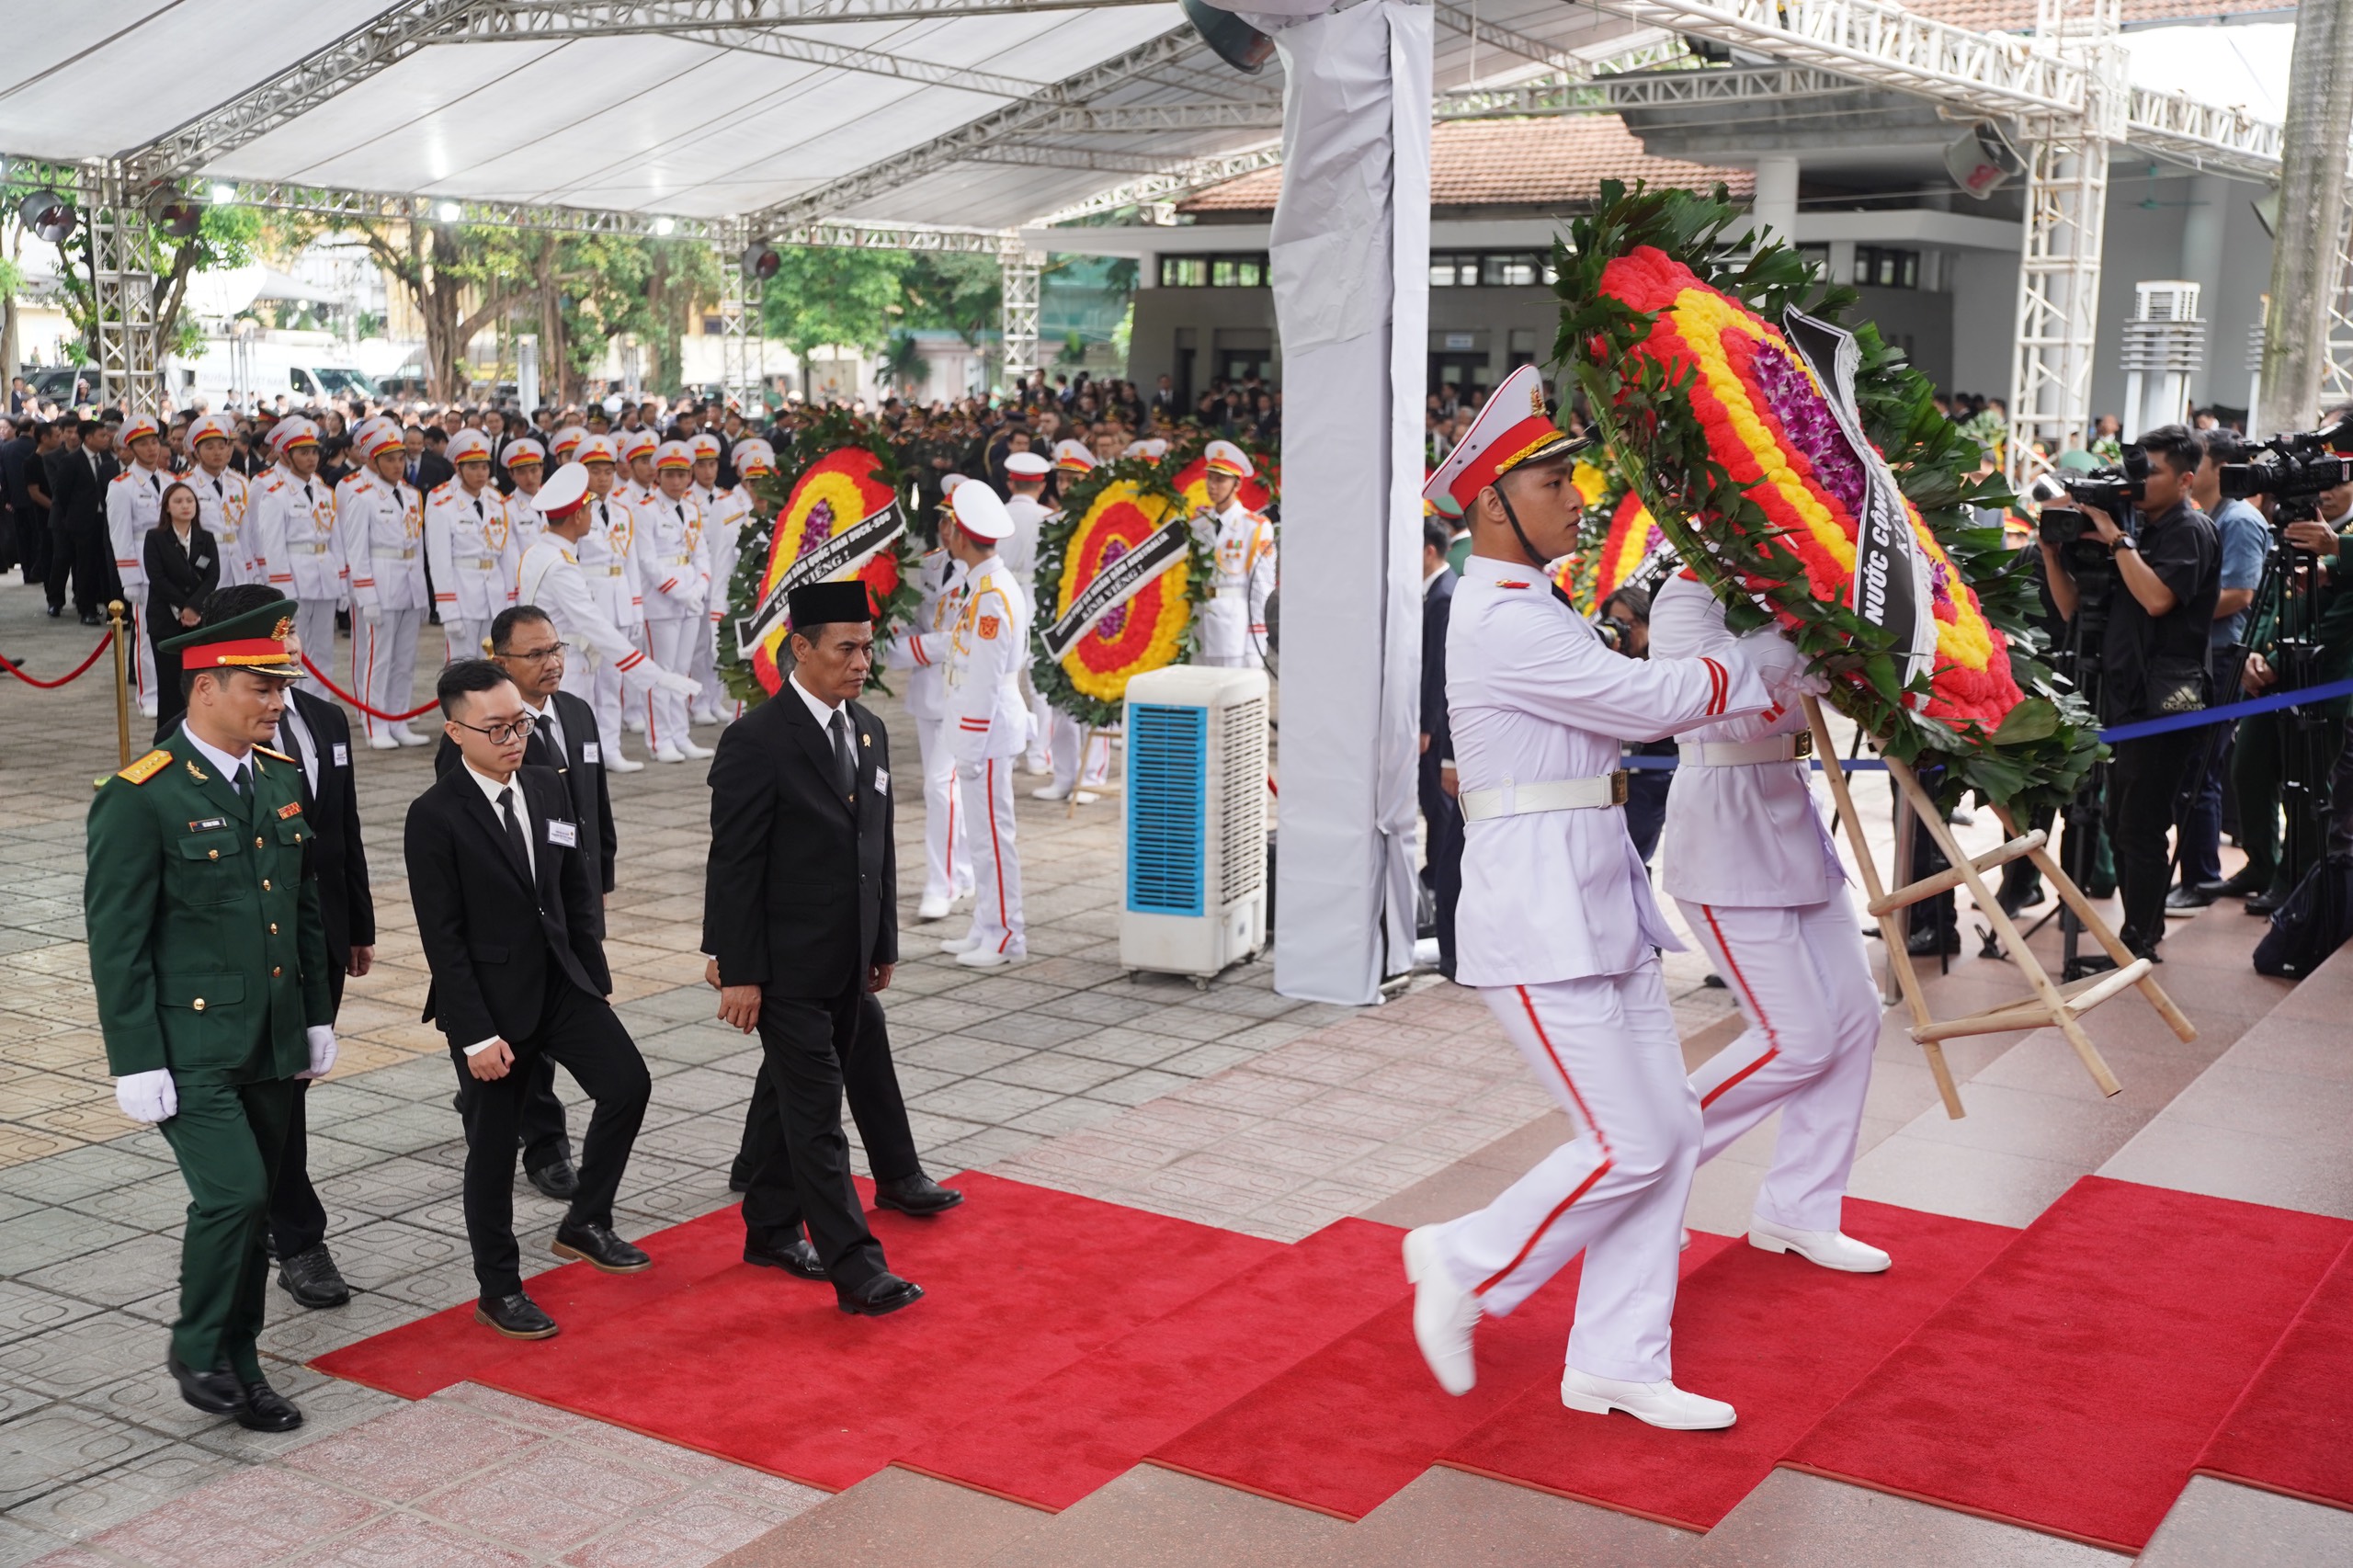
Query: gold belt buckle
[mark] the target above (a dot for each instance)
(1806, 745)
(1617, 787)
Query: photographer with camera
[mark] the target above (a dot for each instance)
(2159, 607)
(2245, 536)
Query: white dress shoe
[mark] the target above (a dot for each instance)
(1048, 792)
(693, 750)
(409, 737)
(382, 742)
(1686, 1244)
(1660, 1403)
(960, 945)
(1087, 797)
(1444, 1315)
(669, 753)
(987, 958)
(633, 724)
(932, 909)
(1831, 1249)
(616, 762)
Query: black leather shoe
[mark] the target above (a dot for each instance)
(1925, 943)
(515, 1316)
(597, 1245)
(266, 1410)
(917, 1195)
(556, 1178)
(2185, 900)
(56, 610)
(313, 1279)
(216, 1393)
(2229, 887)
(796, 1256)
(2094, 963)
(2263, 903)
(89, 620)
(884, 1293)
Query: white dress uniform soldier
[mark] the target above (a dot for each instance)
(674, 583)
(988, 723)
(923, 652)
(294, 540)
(633, 486)
(552, 577)
(724, 514)
(223, 497)
(1557, 931)
(1025, 476)
(470, 544)
(1072, 463)
(379, 526)
(527, 466)
(1749, 858)
(1233, 631)
(603, 556)
(134, 504)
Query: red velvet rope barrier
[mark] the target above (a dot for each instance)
(104, 642)
(371, 712)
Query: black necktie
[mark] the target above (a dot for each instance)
(514, 830)
(845, 759)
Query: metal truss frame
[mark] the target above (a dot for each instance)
(125, 267)
(742, 329)
(1018, 322)
(1171, 186)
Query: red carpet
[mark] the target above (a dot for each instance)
(2071, 1386)
(761, 1367)
(422, 1358)
(1781, 1339)
(2292, 1430)
(1059, 1439)
(1350, 1425)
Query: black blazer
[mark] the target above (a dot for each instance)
(1437, 610)
(79, 497)
(582, 780)
(177, 579)
(338, 858)
(489, 930)
(801, 893)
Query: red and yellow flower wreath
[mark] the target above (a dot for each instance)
(1105, 515)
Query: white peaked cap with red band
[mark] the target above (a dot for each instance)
(524, 451)
(705, 448)
(565, 492)
(1224, 457)
(469, 446)
(1511, 430)
(1027, 465)
(979, 513)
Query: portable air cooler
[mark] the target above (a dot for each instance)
(1196, 807)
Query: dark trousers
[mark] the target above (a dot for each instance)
(82, 555)
(799, 1158)
(1646, 790)
(1443, 856)
(227, 1138)
(2259, 768)
(2198, 809)
(871, 1084)
(2142, 783)
(583, 1033)
(298, 1221)
(539, 1123)
(32, 544)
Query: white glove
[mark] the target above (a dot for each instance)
(148, 1097)
(321, 1039)
(368, 609)
(685, 685)
(1790, 687)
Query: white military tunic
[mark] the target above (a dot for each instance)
(551, 577)
(724, 514)
(293, 523)
(379, 526)
(673, 570)
(1232, 627)
(134, 506)
(470, 543)
(224, 501)
(603, 557)
(988, 727)
(1557, 929)
(1749, 858)
(923, 652)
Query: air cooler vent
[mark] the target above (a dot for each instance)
(1167, 777)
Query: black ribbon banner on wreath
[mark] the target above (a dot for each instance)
(845, 552)
(1116, 584)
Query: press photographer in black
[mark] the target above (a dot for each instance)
(2158, 605)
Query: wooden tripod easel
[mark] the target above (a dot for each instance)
(2059, 1007)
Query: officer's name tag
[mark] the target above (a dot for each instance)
(591, 751)
(208, 823)
(563, 835)
(342, 755)
(882, 780)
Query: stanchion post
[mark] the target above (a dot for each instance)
(115, 611)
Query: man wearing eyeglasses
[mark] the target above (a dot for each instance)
(506, 914)
(524, 643)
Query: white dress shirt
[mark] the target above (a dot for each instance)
(233, 768)
(295, 736)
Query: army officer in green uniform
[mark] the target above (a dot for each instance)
(210, 964)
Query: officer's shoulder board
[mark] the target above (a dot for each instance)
(278, 755)
(122, 478)
(147, 766)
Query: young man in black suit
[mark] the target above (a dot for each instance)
(507, 917)
(80, 471)
(801, 921)
(1440, 813)
(524, 643)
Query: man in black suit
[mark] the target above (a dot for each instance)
(507, 917)
(524, 643)
(315, 734)
(79, 472)
(1443, 814)
(434, 467)
(801, 921)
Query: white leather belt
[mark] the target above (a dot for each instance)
(480, 563)
(1559, 795)
(308, 549)
(1748, 754)
(408, 555)
(613, 571)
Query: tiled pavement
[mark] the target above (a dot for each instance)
(1234, 1107)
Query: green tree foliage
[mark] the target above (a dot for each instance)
(958, 291)
(823, 295)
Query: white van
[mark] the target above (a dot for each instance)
(302, 366)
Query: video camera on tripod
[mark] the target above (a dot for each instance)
(2115, 490)
(2295, 470)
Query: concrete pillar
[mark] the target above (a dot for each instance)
(2201, 263)
(1776, 211)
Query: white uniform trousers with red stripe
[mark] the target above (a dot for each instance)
(383, 665)
(713, 705)
(314, 624)
(947, 850)
(1606, 1048)
(139, 660)
(671, 641)
(984, 800)
(1805, 985)
(604, 696)
(1065, 747)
